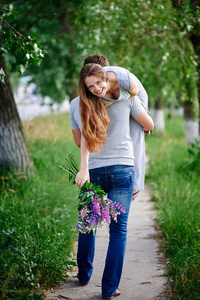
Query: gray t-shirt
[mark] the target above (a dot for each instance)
(125, 85)
(118, 149)
(75, 118)
(136, 130)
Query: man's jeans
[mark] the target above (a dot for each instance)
(118, 182)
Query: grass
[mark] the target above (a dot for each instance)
(174, 174)
(38, 216)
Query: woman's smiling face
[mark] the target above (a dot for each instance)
(96, 86)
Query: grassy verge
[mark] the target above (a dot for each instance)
(174, 175)
(38, 216)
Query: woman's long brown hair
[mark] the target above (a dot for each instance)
(93, 112)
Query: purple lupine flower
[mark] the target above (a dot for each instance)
(83, 211)
(106, 215)
(123, 210)
(98, 212)
(96, 205)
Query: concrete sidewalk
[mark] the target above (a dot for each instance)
(143, 270)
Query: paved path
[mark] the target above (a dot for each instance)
(142, 277)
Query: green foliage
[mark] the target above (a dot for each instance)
(186, 284)
(85, 197)
(70, 166)
(23, 50)
(52, 25)
(176, 194)
(144, 36)
(38, 216)
(194, 156)
(150, 38)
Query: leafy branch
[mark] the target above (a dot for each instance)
(12, 29)
(70, 166)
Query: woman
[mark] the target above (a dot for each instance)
(105, 133)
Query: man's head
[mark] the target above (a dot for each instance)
(96, 59)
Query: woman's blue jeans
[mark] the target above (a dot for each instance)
(118, 182)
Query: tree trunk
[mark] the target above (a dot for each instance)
(191, 122)
(195, 39)
(159, 120)
(151, 109)
(14, 152)
(66, 24)
(191, 109)
(170, 108)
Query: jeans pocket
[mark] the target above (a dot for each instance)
(95, 179)
(122, 183)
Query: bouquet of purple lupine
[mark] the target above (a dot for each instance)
(95, 209)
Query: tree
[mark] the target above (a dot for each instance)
(14, 152)
(153, 39)
(187, 15)
(156, 42)
(141, 36)
(53, 26)
(56, 30)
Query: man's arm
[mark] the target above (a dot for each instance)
(145, 120)
(77, 136)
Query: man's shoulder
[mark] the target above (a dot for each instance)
(135, 101)
(74, 103)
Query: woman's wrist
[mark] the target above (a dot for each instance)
(84, 168)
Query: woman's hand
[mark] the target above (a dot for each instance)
(81, 177)
(147, 132)
(135, 194)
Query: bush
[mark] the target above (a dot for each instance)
(174, 176)
(194, 157)
(38, 216)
